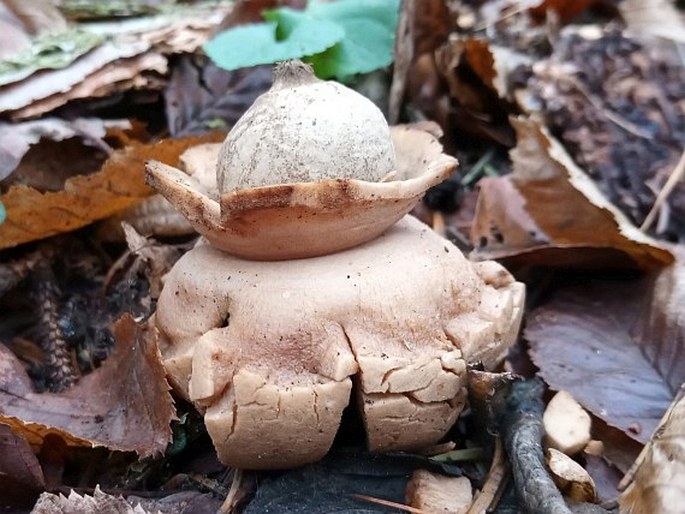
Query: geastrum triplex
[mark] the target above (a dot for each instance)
(310, 276)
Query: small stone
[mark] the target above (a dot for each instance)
(439, 494)
(567, 425)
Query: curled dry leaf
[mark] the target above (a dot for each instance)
(32, 214)
(471, 107)
(154, 216)
(573, 481)
(491, 63)
(660, 330)
(657, 484)
(123, 405)
(184, 502)
(423, 26)
(548, 211)
(605, 476)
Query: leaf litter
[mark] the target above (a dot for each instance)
(123, 405)
(548, 209)
(34, 214)
(655, 484)
(513, 90)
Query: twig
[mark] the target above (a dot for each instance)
(230, 501)
(520, 420)
(673, 179)
(388, 503)
(493, 484)
(462, 455)
(476, 170)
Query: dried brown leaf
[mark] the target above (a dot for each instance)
(658, 484)
(152, 259)
(48, 90)
(476, 82)
(21, 477)
(32, 214)
(423, 26)
(75, 503)
(660, 331)
(122, 63)
(16, 139)
(549, 212)
(186, 502)
(52, 82)
(123, 405)
(616, 106)
(616, 346)
(618, 448)
(605, 475)
(200, 96)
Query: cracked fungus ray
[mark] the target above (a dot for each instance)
(275, 380)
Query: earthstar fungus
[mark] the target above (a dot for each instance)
(306, 282)
(358, 180)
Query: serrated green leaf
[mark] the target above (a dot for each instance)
(369, 36)
(257, 43)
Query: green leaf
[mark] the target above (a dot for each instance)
(385, 12)
(367, 47)
(253, 44)
(3, 213)
(369, 36)
(340, 38)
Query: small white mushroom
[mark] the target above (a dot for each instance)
(567, 424)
